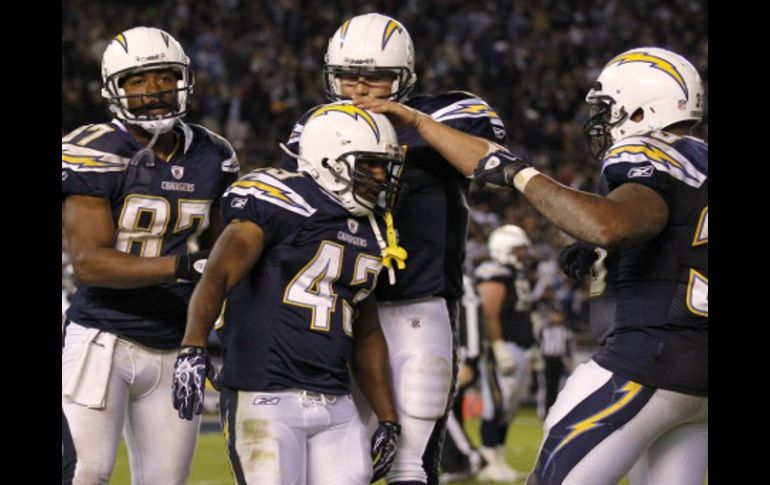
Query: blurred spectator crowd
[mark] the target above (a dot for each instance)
(258, 67)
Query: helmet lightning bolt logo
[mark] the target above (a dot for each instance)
(630, 391)
(352, 111)
(656, 63)
(121, 39)
(344, 29)
(391, 27)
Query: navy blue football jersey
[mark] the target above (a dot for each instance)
(517, 306)
(432, 220)
(158, 210)
(654, 296)
(289, 323)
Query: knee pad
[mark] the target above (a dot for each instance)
(92, 473)
(423, 386)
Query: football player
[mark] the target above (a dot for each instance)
(506, 302)
(139, 195)
(644, 394)
(298, 263)
(370, 60)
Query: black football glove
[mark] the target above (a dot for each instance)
(384, 445)
(576, 259)
(191, 368)
(496, 171)
(190, 266)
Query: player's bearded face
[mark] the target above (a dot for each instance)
(151, 93)
(377, 84)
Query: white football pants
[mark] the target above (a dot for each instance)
(419, 337)
(111, 385)
(601, 424)
(295, 437)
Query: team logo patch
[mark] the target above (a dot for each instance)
(266, 401)
(499, 132)
(491, 163)
(177, 171)
(352, 226)
(200, 265)
(238, 203)
(640, 172)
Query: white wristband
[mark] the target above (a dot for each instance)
(522, 178)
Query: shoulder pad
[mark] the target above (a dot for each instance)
(82, 159)
(492, 269)
(272, 185)
(222, 146)
(459, 104)
(653, 153)
(103, 137)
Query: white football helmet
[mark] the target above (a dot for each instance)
(660, 83)
(141, 49)
(371, 42)
(338, 145)
(502, 242)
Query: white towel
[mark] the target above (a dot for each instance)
(87, 385)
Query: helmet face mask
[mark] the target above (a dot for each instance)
(639, 91)
(354, 155)
(370, 45)
(139, 50)
(598, 127)
(371, 179)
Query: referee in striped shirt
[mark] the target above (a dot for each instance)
(557, 347)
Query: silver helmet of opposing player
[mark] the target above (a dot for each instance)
(503, 241)
(142, 49)
(370, 43)
(639, 91)
(343, 148)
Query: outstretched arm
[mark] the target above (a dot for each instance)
(461, 149)
(630, 214)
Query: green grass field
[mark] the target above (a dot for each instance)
(210, 465)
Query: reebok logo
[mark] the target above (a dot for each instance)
(640, 172)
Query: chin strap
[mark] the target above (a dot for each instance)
(146, 154)
(390, 251)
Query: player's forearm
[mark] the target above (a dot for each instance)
(371, 367)
(460, 149)
(110, 268)
(204, 308)
(587, 217)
